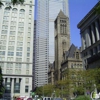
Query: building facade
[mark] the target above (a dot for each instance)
(62, 41)
(51, 74)
(16, 47)
(42, 44)
(54, 8)
(90, 38)
(71, 67)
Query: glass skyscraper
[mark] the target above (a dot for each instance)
(46, 12)
(54, 8)
(41, 51)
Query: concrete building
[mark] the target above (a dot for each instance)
(16, 48)
(54, 8)
(90, 38)
(62, 41)
(41, 60)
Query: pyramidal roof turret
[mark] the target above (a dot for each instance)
(61, 14)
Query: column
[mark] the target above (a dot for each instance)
(97, 30)
(12, 88)
(92, 32)
(82, 41)
(88, 37)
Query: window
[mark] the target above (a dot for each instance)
(28, 43)
(27, 66)
(14, 10)
(11, 48)
(27, 72)
(2, 47)
(14, 19)
(5, 27)
(20, 33)
(28, 59)
(6, 18)
(3, 36)
(2, 58)
(13, 23)
(2, 52)
(27, 80)
(12, 32)
(21, 19)
(20, 38)
(16, 71)
(19, 43)
(77, 55)
(3, 42)
(22, 10)
(13, 28)
(21, 29)
(28, 48)
(19, 59)
(4, 32)
(2, 65)
(21, 24)
(10, 53)
(9, 65)
(19, 48)
(11, 42)
(10, 58)
(26, 89)
(28, 54)
(18, 65)
(5, 22)
(71, 65)
(18, 53)
(12, 38)
(14, 14)
(28, 39)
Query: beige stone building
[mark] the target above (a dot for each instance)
(90, 38)
(71, 68)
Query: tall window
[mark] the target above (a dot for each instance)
(26, 89)
(77, 55)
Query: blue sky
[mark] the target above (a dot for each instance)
(77, 10)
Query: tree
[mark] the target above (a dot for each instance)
(14, 2)
(1, 84)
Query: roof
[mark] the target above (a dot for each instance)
(61, 14)
(70, 52)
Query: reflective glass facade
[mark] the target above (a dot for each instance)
(54, 8)
(40, 62)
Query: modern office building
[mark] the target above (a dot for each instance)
(16, 47)
(90, 38)
(54, 8)
(40, 64)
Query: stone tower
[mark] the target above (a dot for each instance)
(62, 41)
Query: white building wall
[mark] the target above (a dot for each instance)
(17, 65)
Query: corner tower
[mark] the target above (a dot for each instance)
(62, 41)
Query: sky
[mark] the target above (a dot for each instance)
(77, 11)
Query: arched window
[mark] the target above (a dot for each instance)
(7, 9)
(14, 10)
(22, 10)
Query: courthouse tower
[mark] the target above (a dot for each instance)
(62, 41)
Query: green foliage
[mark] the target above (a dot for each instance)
(14, 2)
(1, 84)
(83, 98)
(97, 9)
